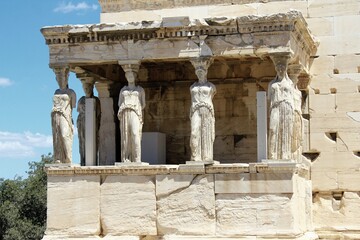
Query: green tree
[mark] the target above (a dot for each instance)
(23, 204)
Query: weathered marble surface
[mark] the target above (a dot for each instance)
(336, 215)
(128, 205)
(185, 204)
(73, 206)
(247, 35)
(171, 201)
(64, 100)
(202, 114)
(281, 98)
(241, 214)
(131, 105)
(247, 183)
(62, 128)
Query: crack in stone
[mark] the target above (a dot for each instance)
(164, 195)
(332, 178)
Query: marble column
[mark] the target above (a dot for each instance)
(64, 101)
(107, 130)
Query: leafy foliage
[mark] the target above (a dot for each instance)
(23, 204)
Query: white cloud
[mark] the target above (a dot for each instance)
(14, 145)
(5, 82)
(72, 7)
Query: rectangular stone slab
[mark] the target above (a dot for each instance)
(185, 204)
(254, 183)
(128, 205)
(260, 214)
(73, 206)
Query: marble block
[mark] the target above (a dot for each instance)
(185, 204)
(246, 214)
(128, 206)
(254, 183)
(73, 206)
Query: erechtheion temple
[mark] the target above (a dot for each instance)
(231, 119)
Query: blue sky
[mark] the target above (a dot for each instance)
(27, 83)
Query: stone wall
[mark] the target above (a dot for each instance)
(228, 201)
(335, 121)
(129, 11)
(116, 6)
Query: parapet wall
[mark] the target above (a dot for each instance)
(227, 201)
(143, 10)
(123, 6)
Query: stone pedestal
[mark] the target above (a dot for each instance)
(222, 201)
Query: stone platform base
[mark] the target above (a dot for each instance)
(339, 235)
(219, 201)
(72, 238)
(307, 236)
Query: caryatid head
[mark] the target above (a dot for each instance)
(201, 73)
(201, 66)
(62, 76)
(131, 71)
(88, 88)
(131, 76)
(281, 65)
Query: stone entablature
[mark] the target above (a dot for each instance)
(180, 38)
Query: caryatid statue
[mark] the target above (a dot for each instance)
(298, 128)
(131, 105)
(202, 113)
(80, 123)
(281, 96)
(64, 101)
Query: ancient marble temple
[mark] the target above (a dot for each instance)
(199, 127)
